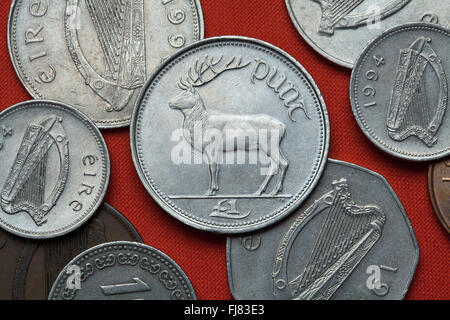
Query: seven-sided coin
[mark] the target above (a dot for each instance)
(122, 271)
(350, 240)
(339, 29)
(399, 91)
(230, 135)
(30, 267)
(96, 55)
(55, 169)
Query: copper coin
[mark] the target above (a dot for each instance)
(439, 186)
(29, 267)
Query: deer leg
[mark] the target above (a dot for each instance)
(212, 183)
(283, 165)
(210, 191)
(269, 176)
(213, 162)
(215, 184)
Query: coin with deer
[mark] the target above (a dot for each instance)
(56, 169)
(96, 55)
(399, 92)
(350, 240)
(230, 135)
(340, 29)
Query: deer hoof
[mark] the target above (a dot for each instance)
(259, 192)
(211, 192)
(275, 192)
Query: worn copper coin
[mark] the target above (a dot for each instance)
(439, 186)
(29, 267)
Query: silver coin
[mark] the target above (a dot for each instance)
(230, 135)
(399, 92)
(55, 169)
(96, 55)
(122, 271)
(350, 240)
(340, 29)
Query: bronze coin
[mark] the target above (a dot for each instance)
(29, 267)
(439, 186)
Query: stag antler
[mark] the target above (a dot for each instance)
(197, 73)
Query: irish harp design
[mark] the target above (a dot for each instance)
(120, 28)
(336, 14)
(26, 187)
(410, 111)
(348, 233)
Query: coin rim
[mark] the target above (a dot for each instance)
(402, 210)
(433, 199)
(424, 157)
(120, 217)
(106, 167)
(311, 43)
(110, 124)
(251, 226)
(142, 246)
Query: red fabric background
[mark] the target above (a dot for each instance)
(202, 255)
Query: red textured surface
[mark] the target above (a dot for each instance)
(202, 255)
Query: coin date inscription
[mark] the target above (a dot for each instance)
(175, 17)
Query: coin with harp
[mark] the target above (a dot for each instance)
(96, 55)
(56, 169)
(351, 240)
(339, 29)
(399, 92)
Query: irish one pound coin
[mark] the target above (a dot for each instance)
(55, 169)
(439, 186)
(350, 240)
(230, 135)
(122, 271)
(340, 29)
(96, 55)
(30, 267)
(399, 92)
